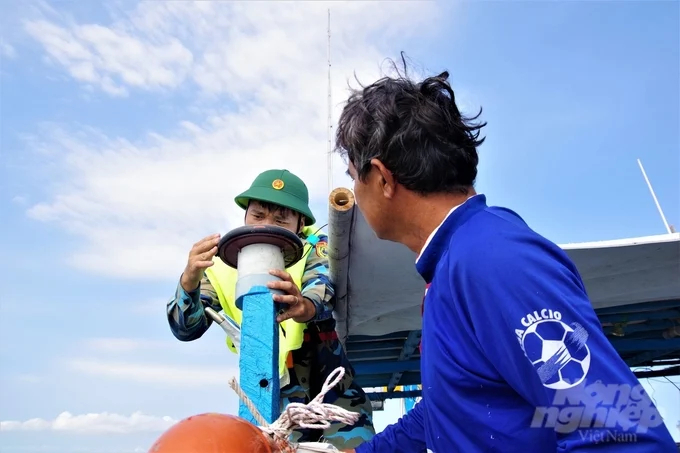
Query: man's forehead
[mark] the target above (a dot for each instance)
(265, 207)
(270, 207)
(256, 204)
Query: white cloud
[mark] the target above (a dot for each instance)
(102, 423)
(140, 204)
(152, 307)
(121, 345)
(157, 374)
(7, 50)
(19, 199)
(29, 378)
(125, 346)
(112, 59)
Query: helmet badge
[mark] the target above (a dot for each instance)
(277, 184)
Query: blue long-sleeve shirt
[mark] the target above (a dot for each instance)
(513, 356)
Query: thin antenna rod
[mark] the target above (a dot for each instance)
(658, 206)
(330, 124)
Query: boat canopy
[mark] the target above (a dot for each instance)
(634, 286)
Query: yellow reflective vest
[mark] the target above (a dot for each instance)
(223, 279)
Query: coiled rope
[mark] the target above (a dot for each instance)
(314, 415)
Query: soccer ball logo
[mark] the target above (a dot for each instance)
(558, 352)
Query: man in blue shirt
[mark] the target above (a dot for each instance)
(513, 357)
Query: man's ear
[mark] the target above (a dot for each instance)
(385, 178)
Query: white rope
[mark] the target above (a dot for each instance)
(315, 415)
(249, 404)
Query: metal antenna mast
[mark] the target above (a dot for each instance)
(669, 229)
(330, 124)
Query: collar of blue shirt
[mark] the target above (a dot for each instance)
(436, 243)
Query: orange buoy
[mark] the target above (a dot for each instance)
(213, 433)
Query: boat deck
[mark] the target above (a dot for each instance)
(636, 331)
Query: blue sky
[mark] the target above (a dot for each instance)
(127, 129)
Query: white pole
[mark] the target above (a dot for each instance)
(658, 206)
(330, 125)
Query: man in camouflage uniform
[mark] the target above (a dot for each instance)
(277, 197)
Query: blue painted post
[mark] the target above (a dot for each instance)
(409, 403)
(258, 357)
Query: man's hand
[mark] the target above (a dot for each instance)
(200, 258)
(300, 308)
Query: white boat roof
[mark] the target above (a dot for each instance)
(384, 291)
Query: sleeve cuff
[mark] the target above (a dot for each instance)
(187, 299)
(318, 307)
(364, 448)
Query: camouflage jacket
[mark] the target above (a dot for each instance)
(188, 320)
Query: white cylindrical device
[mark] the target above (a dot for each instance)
(254, 250)
(254, 263)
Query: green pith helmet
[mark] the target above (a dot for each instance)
(280, 187)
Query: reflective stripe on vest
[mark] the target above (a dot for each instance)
(223, 279)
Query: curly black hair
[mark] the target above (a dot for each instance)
(415, 129)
